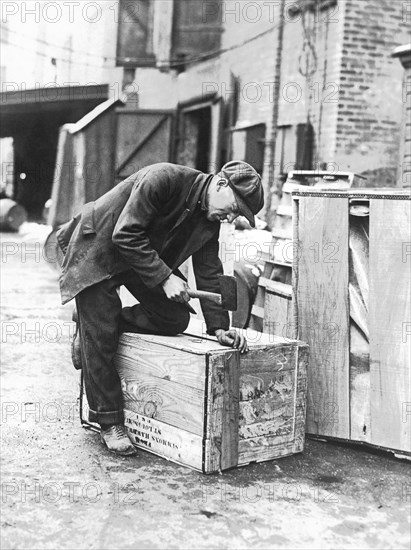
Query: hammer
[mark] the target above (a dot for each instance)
(228, 297)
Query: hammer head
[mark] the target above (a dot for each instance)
(228, 289)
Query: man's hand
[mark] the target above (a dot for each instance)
(176, 289)
(232, 338)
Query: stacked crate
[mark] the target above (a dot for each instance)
(272, 311)
(352, 290)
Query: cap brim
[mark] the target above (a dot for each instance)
(244, 209)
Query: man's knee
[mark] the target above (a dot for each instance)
(180, 321)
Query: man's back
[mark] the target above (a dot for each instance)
(112, 233)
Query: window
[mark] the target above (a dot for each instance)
(294, 148)
(167, 33)
(248, 145)
(135, 34)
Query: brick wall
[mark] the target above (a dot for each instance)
(354, 97)
(404, 175)
(318, 95)
(370, 107)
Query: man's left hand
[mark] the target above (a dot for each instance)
(232, 338)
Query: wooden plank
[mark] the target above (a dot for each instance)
(277, 287)
(360, 421)
(272, 393)
(302, 358)
(281, 425)
(265, 360)
(281, 234)
(163, 400)
(278, 317)
(284, 210)
(321, 290)
(196, 331)
(257, 311)
(197, 343)
(278, 261)
(390, 322)
(366, 193)
(259, 298)
(260, 449)
(266, 416)
(230, 435)
(214, 399)
(159, 361)
(164, 440)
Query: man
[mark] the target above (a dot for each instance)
(137, 235)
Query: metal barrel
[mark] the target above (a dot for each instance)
(12, 215)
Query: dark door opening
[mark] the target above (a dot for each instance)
(194, 140)
(33, 119)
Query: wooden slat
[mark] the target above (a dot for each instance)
(276, 287)
(196, 343)
(281, 234)
(257, 311)
(153, 359)
(266, 360)
(282, 425)
(302, 361)
(214, 398)
(323, 313)
(230, 434)
(171, 403)
(277, 261)
(284, 210)
(278, 315)
(268, 448)
(164, 440)
(359, 385)
(195, 331)
(267, 415)
(390, 318)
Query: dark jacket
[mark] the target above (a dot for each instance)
(151, 222)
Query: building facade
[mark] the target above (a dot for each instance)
(325, 94)
(282, 84)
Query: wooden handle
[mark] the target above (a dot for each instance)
(204, 295)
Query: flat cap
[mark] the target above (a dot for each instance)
(247, 187)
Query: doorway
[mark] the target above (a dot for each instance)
(194, 137)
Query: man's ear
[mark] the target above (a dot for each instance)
(222, 182)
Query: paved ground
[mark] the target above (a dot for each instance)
(61, 489)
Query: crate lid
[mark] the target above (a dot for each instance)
(366, 193)
(196, 340)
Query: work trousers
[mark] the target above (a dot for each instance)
(101, 321)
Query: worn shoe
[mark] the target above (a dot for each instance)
(117, 441)
(76, 349)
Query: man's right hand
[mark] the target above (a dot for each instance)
(176, 289)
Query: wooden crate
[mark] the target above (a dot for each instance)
(194, 402)
(352, 290)
(268, 305)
